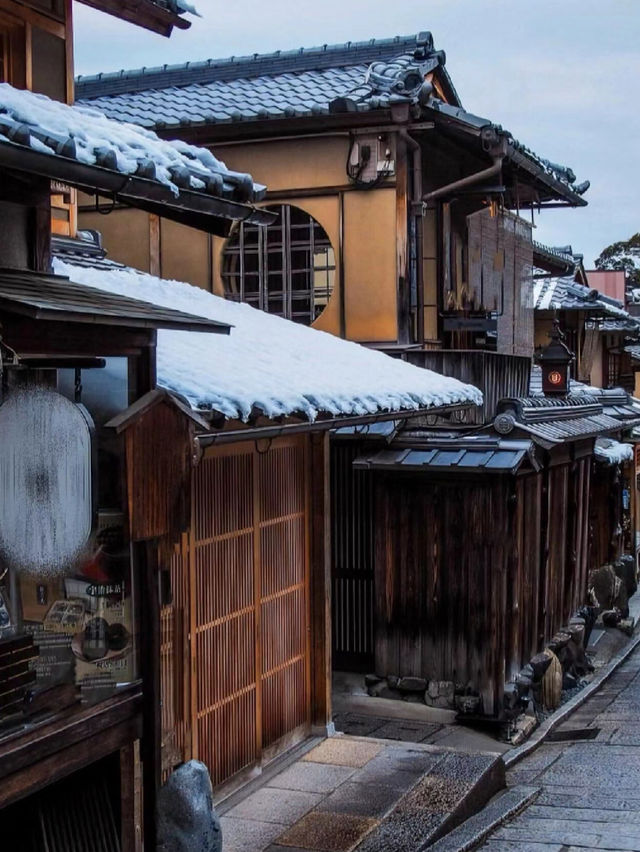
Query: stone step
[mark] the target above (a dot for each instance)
(454, 789)
(477, 828)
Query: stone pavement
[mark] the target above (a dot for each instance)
(589, 788)
(349, 793)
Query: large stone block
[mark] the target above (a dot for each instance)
(186, 819)
(441, 693)
(412, 684)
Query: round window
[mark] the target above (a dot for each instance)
(286, 268)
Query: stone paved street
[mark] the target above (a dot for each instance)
(348, 793)
(590, 788)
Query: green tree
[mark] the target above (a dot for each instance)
(623, 255)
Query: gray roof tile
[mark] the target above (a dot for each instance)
(360, 76)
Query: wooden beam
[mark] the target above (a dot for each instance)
(68, 48)
(155, 258)
(21, 12)
(141, 12)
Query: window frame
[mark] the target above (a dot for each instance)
(274, 273)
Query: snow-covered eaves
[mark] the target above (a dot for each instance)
(271, 366)
(82, 147)
(159, 16)
(611, 452)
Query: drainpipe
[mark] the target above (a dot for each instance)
(497, 156)
(416, 217)
(498, 153)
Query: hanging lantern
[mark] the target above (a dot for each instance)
(555, 360)
(46, 506)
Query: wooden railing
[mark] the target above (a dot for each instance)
(496, 375)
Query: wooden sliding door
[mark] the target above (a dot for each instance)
(246, 560)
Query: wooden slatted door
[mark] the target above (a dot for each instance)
(284, 592)
(248, 604)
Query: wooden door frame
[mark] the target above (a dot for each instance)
(318, 598)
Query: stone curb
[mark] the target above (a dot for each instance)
(562, 713)
(477, 828)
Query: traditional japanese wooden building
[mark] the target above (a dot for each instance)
(472, 608)
(81, 534)
(404, 222)
(246, 641)
(596, 325)
(397, 209)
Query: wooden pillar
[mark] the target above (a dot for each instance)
(403, 284)
(147, 566)
(320, 564)
(155, 265)
(130, 837)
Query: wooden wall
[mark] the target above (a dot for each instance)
(474, 575)
(309, 174)
(606, 515)
(38, 42)
(441, 572)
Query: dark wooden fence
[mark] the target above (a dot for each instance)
(496, 375)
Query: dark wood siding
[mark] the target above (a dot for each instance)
(474, 575)
(352, 560)
(158, 446)
(441, 581)
(497, 375)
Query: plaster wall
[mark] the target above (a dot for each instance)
(366, 219)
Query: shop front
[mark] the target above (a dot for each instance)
(78, 585)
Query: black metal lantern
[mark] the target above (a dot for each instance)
(554, 360)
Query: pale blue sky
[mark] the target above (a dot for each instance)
(562, 75)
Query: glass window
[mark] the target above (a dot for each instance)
(67, 600)
(287, 268)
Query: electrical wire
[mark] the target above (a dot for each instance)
(355, 178)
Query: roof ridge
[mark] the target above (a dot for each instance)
(237, 67)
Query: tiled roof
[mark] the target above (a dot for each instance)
(461, 455)
(78, 133)
(565, 294)
(586, 407)
(351, 77)
(55, 297)
(345, 64)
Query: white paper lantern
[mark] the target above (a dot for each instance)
(45, 482)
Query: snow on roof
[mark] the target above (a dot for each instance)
(612, 452)
(271, 364)
(84, 134)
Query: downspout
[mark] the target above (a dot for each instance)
(494, 169)
(498, 154)
(416, 217)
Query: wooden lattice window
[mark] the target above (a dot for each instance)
(614, 369)
(287, 268)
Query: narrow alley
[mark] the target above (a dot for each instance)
(589, 783)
